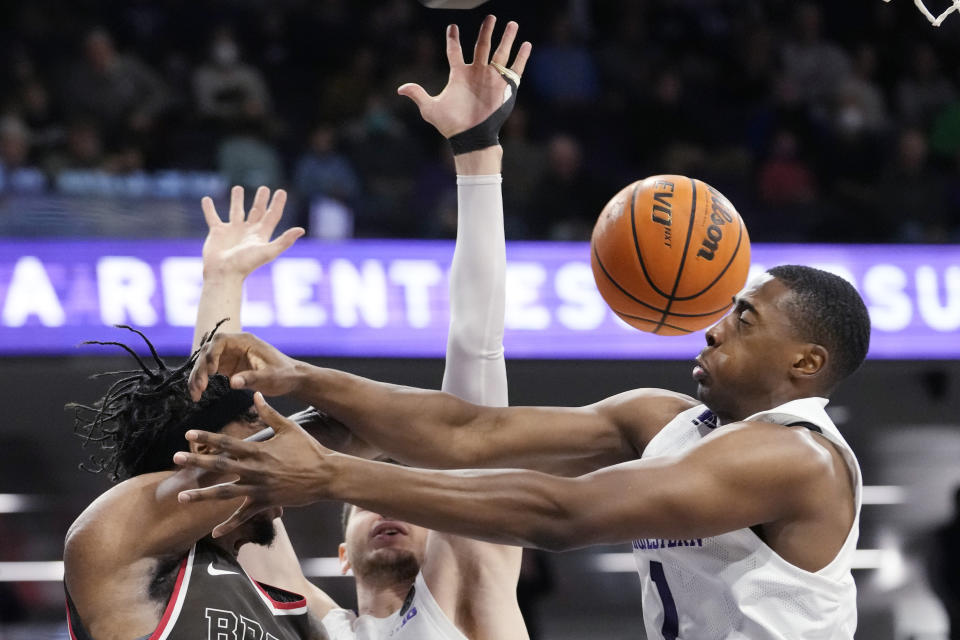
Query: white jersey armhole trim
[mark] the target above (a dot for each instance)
(853, 467)
(433, 611)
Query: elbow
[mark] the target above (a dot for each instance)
(556, 535)
(554, 542)
(559, 524)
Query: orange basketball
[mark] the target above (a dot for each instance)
(669, 253)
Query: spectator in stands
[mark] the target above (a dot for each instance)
(14, 143)
(814, 64)
(787, 192)
(119, 92)
(564, 72)
(523, 168)
(910, 197)
(861, 106)
(249, 160)
(229, 92)
(785, 179)
(566, 203)
(435, 195)
(83, 150)
(323, 172)
(41, 115)
(924, 91)
(346, 91)
(678, 121)
(945, 132)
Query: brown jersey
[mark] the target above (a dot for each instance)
(214, 599)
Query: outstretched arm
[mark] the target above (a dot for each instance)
(436, 429)
(235, 248)
(475, 582)
(743, 475)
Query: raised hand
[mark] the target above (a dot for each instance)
(286, 470)
(474, 91)
(242, 244)
(249, 363)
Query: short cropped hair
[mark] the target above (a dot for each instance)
(827, 310)
(140, 421)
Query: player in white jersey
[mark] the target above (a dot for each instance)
(733, 585)
(743, 510)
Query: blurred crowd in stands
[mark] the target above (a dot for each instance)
(822, 121)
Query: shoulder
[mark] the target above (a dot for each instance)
(116, 505)
(110, 533)
(338, 624)
(473, 585)
(641, 413)
(786, 456)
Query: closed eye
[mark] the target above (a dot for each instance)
(742, 307)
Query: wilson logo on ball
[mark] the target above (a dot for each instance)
(719, 216)
(669, 253)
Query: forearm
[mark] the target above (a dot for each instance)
(416, 426)
(435, 429)
(521, 508)
(475, 368)
(221, 297)
(421, 426)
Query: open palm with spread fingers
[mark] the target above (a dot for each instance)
(241, 244)
(474, 91)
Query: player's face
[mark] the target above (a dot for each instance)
(746, 364)
(377, 548)
(260, 528)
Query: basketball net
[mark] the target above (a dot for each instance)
(935, 20)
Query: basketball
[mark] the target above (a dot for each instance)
(669, 253)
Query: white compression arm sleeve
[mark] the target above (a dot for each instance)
(475, 368)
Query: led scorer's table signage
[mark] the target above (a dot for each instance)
(389, 298)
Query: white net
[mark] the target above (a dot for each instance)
(936, 20)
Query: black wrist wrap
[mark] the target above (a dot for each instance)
(485, 134)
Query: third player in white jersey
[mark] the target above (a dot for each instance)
(420, 618)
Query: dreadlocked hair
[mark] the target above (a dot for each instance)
(140, 421)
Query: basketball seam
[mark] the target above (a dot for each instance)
(657, 322)
(596, 254)
(683, 257)
(736, 250)
(636, 241)
(613, 281)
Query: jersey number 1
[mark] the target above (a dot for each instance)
(671, 624)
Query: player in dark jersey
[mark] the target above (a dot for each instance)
(136, 563)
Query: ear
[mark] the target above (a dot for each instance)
(809, 361)
(345, 566)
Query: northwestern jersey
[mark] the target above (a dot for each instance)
(734, 586)
(420, 618)
(214, 599)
